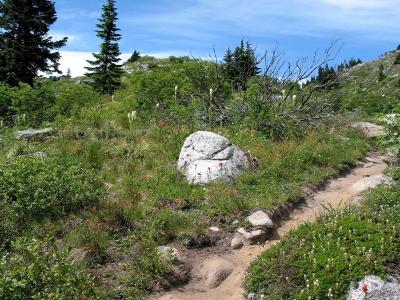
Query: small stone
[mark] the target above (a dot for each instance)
(253, 236)
(236, 243)
(260, 219)
(235, 222)
(214, 229)
(251, 296)
(343, 139)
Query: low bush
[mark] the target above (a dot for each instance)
(37, 270)
(321, 260)
(32, 190)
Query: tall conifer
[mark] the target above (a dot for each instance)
(105, 70)
(25, 46)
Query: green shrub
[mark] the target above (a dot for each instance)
(37, 270)
(33, 189)
(391, 139)
(326, 257)
(7, 110)
(46, 100)
(397, 59)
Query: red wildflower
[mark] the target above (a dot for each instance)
(221, 165)
(365, 288)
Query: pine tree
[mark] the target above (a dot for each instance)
(135, 57)
(241, 65)
(105, 71)
(25, 46)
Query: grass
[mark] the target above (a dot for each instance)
(361, 89)
(321, 260)
(150, 204)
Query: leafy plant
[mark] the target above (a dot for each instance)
(32, 190)
(321, 260)
(35, 269)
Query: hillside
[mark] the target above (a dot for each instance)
(362, 88)
(103, 185)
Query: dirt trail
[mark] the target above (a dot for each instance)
(337, 193)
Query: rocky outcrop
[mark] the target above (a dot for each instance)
(206, 157)
(374, 288)
(33, 133)
(368, 183)
(371, 130)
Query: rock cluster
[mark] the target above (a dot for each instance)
(260, 223)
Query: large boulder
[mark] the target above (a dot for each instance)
(33, 133)
(215, 270)
(371, 130)
(206, 157)
(373, 287)
(370, 182)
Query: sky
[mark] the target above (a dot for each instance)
(364, 28)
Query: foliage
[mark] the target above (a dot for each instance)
(397, 59)
(181, 89)
(134, 57)
(347, 65)
(326, 77)
(25, 47)
(321, 260)
(241, 65)
(391, 139)
(35, 269)
(44, 101)
(105, 71)
(381, 75)
(32, 190)
(7, 94)
(360, 90)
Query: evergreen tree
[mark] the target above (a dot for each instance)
(135, 57)
(25, 47)
(105, 71)
(240, 65)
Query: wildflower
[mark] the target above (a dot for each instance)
(221, 164)
(365, 288)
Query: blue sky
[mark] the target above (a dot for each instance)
(367, 28)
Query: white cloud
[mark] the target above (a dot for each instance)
(58, 35)
(77, 61)
(211, 20)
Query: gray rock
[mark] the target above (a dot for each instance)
(214, 229)
(251, 296)
(215, 270)
(371, 182)
(371, 130)
(33, 133)
(377, 289)
(170, 253)
(253, 236)
(236, 243)
(206, 157)
(260, 219)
